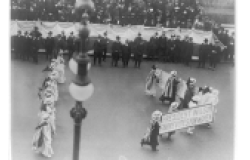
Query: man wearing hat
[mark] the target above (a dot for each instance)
(98, 50)
(172, 49)
(35, 42)
(189, 51)
(18, 40)
(49, 45)
(214, 56)
(126, 53)
(162, 46)
(70, 44)
(116, 51)
(203, 54)
(27, 47)
(105, 42)
(153, 43)
(138, 39)
(138, 55)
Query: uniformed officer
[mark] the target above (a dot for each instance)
(214, 56)
(116, 51)
(70, 44)
(126, 53)
(63, 41)
(203, 54)
(35, 47)
(105, 42)
(189, 52)
(162, 46)
(98, 50)
(178, 49)
(153, 49)
(27, 46)
(139, 54)
(49, 45)
(172, 47)
(18, 39)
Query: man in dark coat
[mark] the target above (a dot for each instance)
(98, 50)
(172, 50)
(126, 53)
(203, 54)
(189, 51)
(27, 46)
(214, 56)
(178, 44)
(162, 46)
(63, 41)
(35, 47)
(70, 44)
(105, 42)
(116, 51)
(18, 46)
(49, 45)
(153, 43)
(138, 55)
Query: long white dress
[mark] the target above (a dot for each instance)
(150, 84)
(42, 139)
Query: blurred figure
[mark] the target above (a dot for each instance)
(98, 50)
(116, 51)
(126, 53)
(70, 44)
(203, 54)
(49, 45)
(105, 42)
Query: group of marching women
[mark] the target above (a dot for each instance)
(48, 95)
(180, 94)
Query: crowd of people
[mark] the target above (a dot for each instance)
(159, 47)
(48, 95)
(169, 13)
(180, 95)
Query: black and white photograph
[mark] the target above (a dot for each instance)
(122, 79)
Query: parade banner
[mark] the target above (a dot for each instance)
(187, 118)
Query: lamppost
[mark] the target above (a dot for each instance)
(81, 87)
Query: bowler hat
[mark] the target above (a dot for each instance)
(50, 32)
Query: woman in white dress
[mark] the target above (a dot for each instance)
(42, 139)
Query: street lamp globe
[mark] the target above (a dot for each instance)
(81, 93)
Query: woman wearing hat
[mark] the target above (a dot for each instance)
(170, 88)
(151, 82)
(151, 137)
(191, 91)
(42, 138)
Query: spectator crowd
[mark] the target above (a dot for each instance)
(168, 13)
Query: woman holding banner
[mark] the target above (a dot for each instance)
(151, 136)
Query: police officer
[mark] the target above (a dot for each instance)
(35, 47)
(63, 41)
(49, 45)
(70, 44)
(27, 46)
(214, 56)
(178, 49)
(116, 51)
(172, 48)
(203, 54)
(126, 53)
(189, 52)
(98, 50)
(105, 42)
(153, 43)
(139, 54)
(162, 46)
(18, 39)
